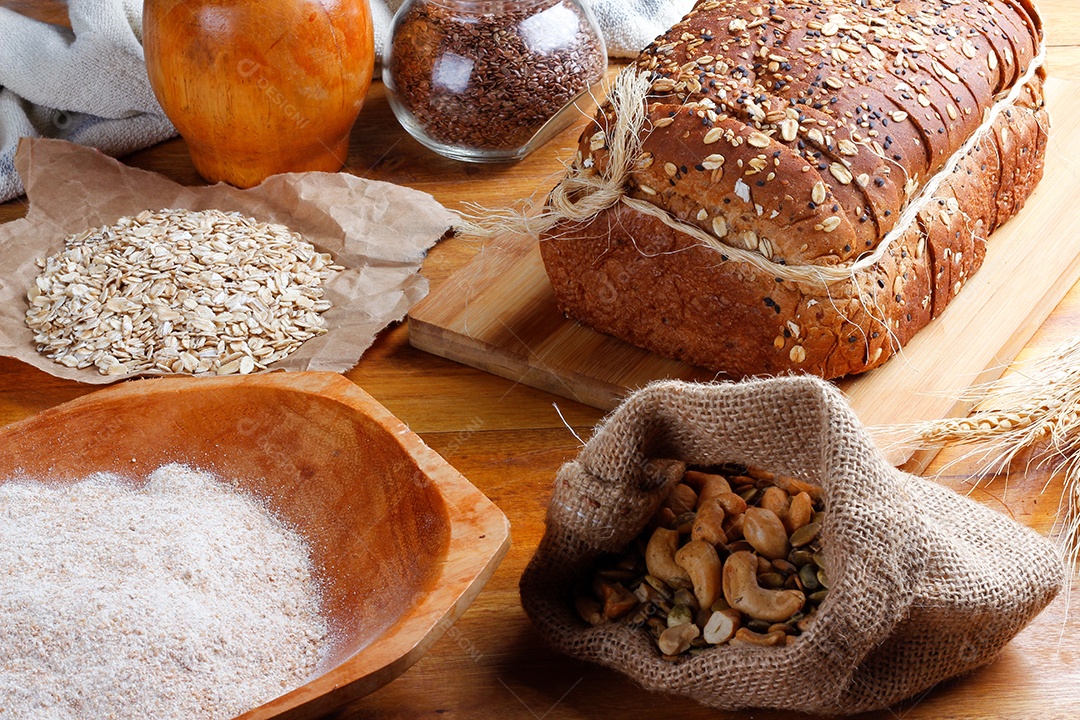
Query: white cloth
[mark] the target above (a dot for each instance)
(627, 25)
(87, 85)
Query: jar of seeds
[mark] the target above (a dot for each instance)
(490, 80)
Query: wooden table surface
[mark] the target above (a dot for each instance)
(509, 440)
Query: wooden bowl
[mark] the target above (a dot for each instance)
(401, 542)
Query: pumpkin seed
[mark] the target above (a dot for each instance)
(771, 580)
(679, 615)
(805, 535)
(683, 523)
(720, 605)
(659, 586)
(822, 579)
(800, 557)
(784, 566)
(685, 597)
(751, 496)
(808, 576)
(758, 626)
(817, 597)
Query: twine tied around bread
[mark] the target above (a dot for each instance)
(581, 194)
(585, 191)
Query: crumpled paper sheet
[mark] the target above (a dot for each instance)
(378, 231)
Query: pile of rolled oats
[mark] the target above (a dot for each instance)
(179, 291)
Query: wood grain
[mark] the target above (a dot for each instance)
(499, 313)
(508, 440)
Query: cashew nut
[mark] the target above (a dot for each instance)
(732, 503)
(799, 513)
(764, 530)
(660, 558)
(742, 591)
(748, 637)
(709, 524)
(681, 499)
(707, 486)
(733, 527)
(677, 639)
(760, 473)
(775, 499)
(793, 487)
(589, 610)
(701, 562)
(665, 517)
(721, 626)
(617, 600)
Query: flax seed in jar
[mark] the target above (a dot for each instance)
(490, 80)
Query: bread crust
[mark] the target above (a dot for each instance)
(815, 171)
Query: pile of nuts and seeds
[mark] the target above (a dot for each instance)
(733, 557)
(179, 291)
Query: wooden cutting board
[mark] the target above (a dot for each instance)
(499, 312)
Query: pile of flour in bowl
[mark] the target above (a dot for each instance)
(182, 598)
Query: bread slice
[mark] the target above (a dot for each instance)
(876, 143)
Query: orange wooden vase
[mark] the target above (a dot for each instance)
(259, 87)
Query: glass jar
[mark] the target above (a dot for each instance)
(490, 80)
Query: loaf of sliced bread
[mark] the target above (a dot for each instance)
(813, 181)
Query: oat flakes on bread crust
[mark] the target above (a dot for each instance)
(800, 131)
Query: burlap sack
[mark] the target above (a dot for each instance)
(926, 584)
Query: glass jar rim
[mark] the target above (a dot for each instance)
(494, 6)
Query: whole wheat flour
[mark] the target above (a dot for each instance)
(182, 598)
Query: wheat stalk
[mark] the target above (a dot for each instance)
(1033, 412)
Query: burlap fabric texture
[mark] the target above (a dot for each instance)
(926, 584)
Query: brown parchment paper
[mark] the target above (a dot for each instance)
(378, 231)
